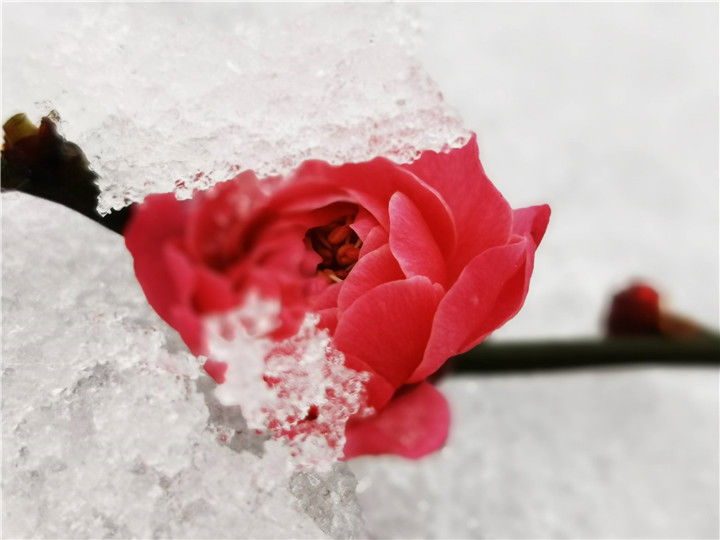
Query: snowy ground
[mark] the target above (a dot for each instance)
(608, 112)
(107, 431)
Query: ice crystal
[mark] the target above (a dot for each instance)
(298, 390)
(178, 97)
(109, 430)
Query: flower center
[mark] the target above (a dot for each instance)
(339, 247)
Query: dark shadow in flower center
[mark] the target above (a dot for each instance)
(338, 245)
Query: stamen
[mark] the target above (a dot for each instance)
(347, 254)
(338, 245)
(339, 235)
(326, 254)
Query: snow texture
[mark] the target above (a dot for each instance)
(312, 395)
(607, 111)
(108, 428)
(617, 453)
(169, 96)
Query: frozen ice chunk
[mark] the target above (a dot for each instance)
(108, 428)
(299, 390)
(164, 97)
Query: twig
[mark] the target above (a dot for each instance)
(553, 355)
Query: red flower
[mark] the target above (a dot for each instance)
(406, 265)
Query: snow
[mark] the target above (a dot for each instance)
(109, 430)
(606, 111)
(167, 96)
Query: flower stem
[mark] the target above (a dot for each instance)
(40, 162)
(501, 357)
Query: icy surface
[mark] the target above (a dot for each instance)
(594, 454)
(107, 429)
(311, 394)
(165, 96)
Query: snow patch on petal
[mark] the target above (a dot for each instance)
(297, 390)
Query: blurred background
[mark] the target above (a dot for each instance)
(608, 112)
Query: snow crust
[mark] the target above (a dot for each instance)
(165, 97)
(297, 390)
(602, 453)
(109, 430)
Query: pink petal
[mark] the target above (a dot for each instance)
(328, 319)
(304, 194)
(378, 390)
(180, 275)
(372, 183)
(321, 215)
(415, 423)
(213, 292)
(164, 273)
(388, 327)
(376, 238)
(328, 298)
(216, 370)
(159, 220)
(375, 268)
(325, 305)
(532, 220)
(190, 327)
(488, 292)
(218, 218)
(411, 241)
(482, 216)
(363, 224)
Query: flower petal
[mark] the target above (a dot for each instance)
(363, 224)
(305, 194)
(218, 218)
(167, 278)
(375, 268)
(181, 314)
(325, 305)
(371, 185)
(213, 292)
(414, 424)
(388, 327)
(488, 292)
(216, 370)
(376, 238)
(482, 216)
(328, 319)
(411, 241)
(532, 220)
(159, 220)
(328, 297)
(379, 390)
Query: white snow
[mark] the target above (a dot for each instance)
(108, 429)
(607, 111)
(166, 96)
